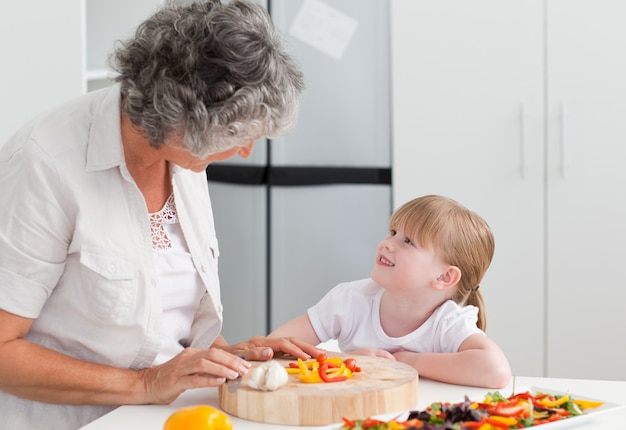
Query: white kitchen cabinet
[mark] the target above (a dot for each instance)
(41, 59)
(586, 150)
(517, 109)
(467, 93)
(55, 51)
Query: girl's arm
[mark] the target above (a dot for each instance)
(480, 362)
(371, 352)
(299, 328)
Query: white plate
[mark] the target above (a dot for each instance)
(587, 415)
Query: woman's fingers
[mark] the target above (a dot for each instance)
(192, 368)
(197, 368)
(218, 362)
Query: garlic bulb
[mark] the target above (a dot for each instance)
(268, 376)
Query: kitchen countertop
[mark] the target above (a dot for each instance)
(152, 417)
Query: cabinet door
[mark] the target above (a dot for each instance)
(344, 116)
(240, 221)
(586, 199)
(468, 123)
(322, 236)
(40, 43)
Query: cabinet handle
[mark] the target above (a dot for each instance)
(563, 143)
(522, 140)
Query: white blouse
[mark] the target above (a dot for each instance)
(179, 281)
(75, 252)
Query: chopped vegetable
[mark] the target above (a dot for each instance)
(269, 376)
(495, 412)
(323, 369)
(336, 375)
(586, 404)
(203, 417)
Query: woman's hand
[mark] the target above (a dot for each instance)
(192, 368)
(197, 368)
(263, 348)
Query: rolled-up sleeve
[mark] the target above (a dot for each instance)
(34, 229)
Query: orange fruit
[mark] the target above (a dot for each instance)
(202, 417)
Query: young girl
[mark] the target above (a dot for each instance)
(422, 304)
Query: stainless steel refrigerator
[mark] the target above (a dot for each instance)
(306, 211)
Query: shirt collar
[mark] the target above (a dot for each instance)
(104, 148)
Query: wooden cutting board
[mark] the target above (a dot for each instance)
(383, 386)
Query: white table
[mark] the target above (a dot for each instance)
(152, 417)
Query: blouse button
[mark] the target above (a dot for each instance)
(112, 268)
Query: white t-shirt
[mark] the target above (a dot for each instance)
(76, 254)
(350, 313)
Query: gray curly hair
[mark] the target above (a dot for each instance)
(214, 75)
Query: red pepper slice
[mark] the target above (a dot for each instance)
(350, 363)
(413, 423)
(525, 395)
(497, 423)
(370, 422)
(349, 424)
(322, 372)
(475, 424)
(550, 419)
(504, 410)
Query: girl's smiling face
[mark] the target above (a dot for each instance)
(403, 265)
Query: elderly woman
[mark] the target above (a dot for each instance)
(109, 291)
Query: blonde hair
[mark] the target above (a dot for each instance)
(458, 236)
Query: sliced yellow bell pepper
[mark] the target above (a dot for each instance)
(332, 369)
(337, 371)
(310, 364)
(312, 377)
(586, 404)
(554, 403)
(508, 421)
(337, 361)
(394, 425)
(304, 369)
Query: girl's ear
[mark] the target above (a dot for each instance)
(449, 278)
